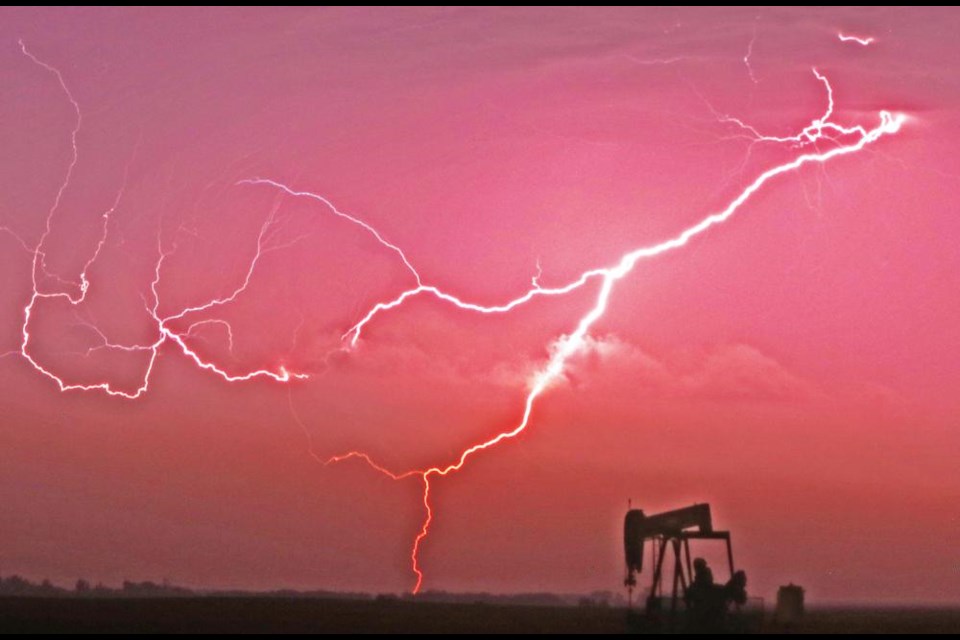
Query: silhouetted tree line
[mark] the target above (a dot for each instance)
(15, 585)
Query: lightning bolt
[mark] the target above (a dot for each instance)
(74, 293)
(861, 41)
(844, 140)
(818, 130)
(749, 54)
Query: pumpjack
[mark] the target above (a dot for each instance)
(704, 603)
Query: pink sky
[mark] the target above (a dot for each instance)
(797, 366)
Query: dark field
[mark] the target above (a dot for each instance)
(286, 615)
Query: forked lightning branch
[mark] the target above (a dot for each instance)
(822, 141)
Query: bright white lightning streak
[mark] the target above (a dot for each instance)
(218, 302)
(813, 132)
(861, 41)
(164, 332)
(214, 321)
(346, 216)
(820, 129)
(749, 54)
(38, 255)
(535, 280)
(569, 345)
